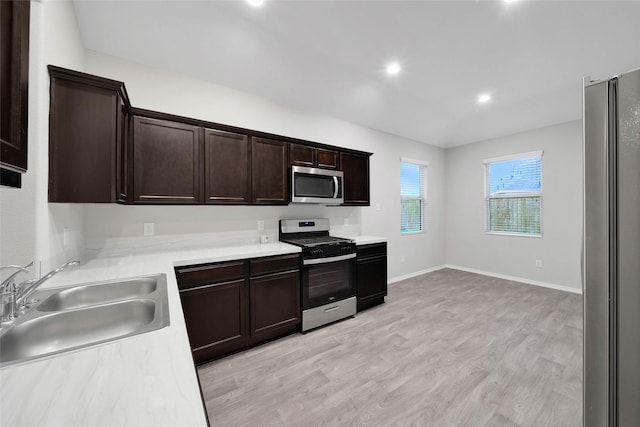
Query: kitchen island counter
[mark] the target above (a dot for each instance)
(143, 380)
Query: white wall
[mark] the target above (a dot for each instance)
(31, 229)
(177, 94)
(467, 244)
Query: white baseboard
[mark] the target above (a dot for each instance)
(515, 279)
(416, 273)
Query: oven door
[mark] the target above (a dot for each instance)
(327, 280)
(313, 185)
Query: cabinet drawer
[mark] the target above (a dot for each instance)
(261, 266)
(375, 249)
(204, 274)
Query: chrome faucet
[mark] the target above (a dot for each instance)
(8, 293)
(9, 281)
(26, 288)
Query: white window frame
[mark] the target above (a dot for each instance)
(423, 210)
(511, 194)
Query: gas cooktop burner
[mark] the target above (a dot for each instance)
(314, 241)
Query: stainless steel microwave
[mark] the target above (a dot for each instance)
(319, 186)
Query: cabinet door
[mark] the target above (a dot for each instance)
(166, 167)
(83, 134)
(301, 155)
(275, 301)
(122, 156)
(215, 316)
(269, 172)
(14, 82)
(356, 179)
(226, 167)
(327, 159)
(372, 281)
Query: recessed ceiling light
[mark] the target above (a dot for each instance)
(510, 1)
(393, 68)
(484, 98)
(256, 3)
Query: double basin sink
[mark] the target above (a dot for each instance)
(84, 315)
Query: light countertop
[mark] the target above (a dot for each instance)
(363, 240)
(143, 380)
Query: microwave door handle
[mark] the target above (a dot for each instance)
(335, 186)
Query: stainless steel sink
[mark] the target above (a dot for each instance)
(85, 315)
(88, 295)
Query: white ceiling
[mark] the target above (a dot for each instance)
(328, 57)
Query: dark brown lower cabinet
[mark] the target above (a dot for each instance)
(371, 275)
(222, 305)
(230, 306)
(275, 302)
(214, 303)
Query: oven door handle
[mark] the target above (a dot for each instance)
(327, 260)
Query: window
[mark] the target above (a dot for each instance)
(513, 194)
(412, 196)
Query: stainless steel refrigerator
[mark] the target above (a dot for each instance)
(611, 258)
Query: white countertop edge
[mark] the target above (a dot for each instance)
(360, 240)
(241, 252)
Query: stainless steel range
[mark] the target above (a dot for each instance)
(328, 274)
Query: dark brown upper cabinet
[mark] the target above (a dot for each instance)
(356, 179)
(87, 138)
(14, 87)
(327, 159)
(269, 172)
(166, 162)
(103, 150)
(304, 155)
(227, 168)
(123, 185)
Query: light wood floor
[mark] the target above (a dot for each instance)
(448, 348)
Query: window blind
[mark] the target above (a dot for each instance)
(412, 197)
(513, 194)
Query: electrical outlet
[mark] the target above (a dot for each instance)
(346, 221)
(378, 206)
(539, 263)
(65, 236)
(260, 225)
(149, 228)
